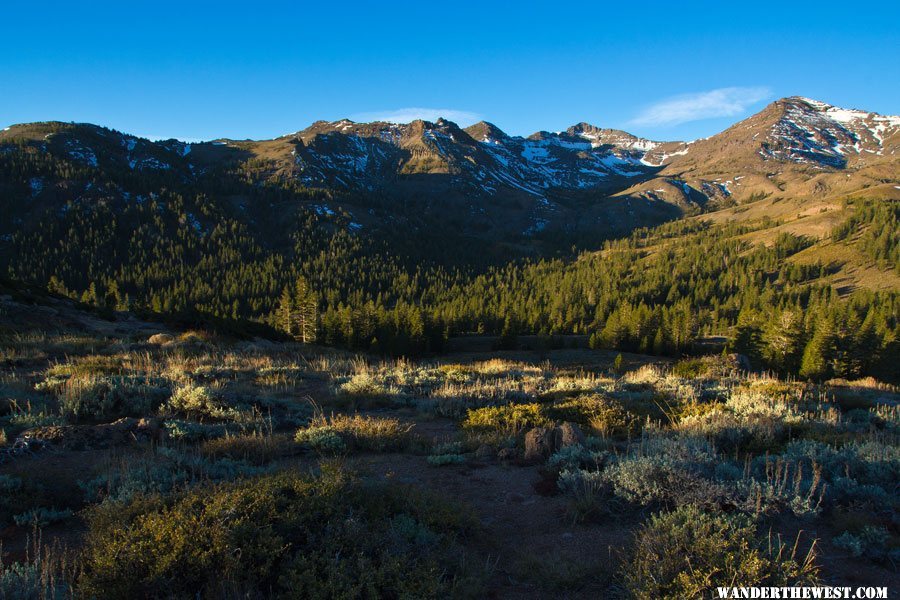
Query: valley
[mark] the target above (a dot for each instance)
(425, 361)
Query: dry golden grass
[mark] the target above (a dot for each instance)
(256, 448)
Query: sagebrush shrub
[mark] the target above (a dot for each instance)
(509, 418)
(41, 517)
(325, 537)
(162, 471)
(201, 402)
(354, 432)
(873, 542)
(605, 416)
(686, 553)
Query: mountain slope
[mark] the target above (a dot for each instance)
(524, 194)
(495, 189)
(795, 147)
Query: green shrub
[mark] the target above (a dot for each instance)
(28, 419)
(667, 470)
(322, 439)
(364, 384)
(590, 494)
(605, 416)
(447, 453)
(163, 471)
(509, 418)
(92, 365)
(198, 402)
(20, 581)
(872, 542)
(41, 517)
(441, 460)
(689, 368)
(355, 432)
(448, 448)
(327, 537)
(576, 457)
(370, 390)
(688, 552)
(43, 575)
(190, 432)
(782, 484)
(18, 496)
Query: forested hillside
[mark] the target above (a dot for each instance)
(804, 286)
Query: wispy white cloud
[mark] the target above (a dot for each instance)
(722, 102)
(405, 115)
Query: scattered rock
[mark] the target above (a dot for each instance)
(540, 443)
(161, 338)
(570, 435)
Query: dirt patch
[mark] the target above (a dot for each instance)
(527, 536)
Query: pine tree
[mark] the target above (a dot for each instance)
(284, 313)
(55, 286)
(508, 338)
(782, 341)
(819, 352)
(304, 312)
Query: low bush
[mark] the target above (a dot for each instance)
(872, 542)
(205, 404)
(667, 471)
(509, 418)
(442, 460)
(576, 457)
(41, 517)
(322, 439)
(647, 480)
(191, 432)
(591, 495)
(162, 471)
(447, 453)
(686, 553)
(689, 368)
(368, 390)
(355, 432)
(47, 573)
(256, 448)
(325, 537)
(87, 366)
(20, 498)
(782, 484)
(605, 416)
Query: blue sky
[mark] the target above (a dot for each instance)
(262, 69)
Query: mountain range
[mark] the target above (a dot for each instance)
(584, 183)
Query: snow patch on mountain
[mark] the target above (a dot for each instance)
(823, 135)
